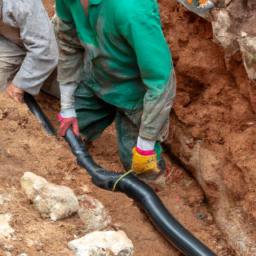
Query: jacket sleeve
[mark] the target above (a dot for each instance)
(37, 35)
(71, 52)
(141, 27)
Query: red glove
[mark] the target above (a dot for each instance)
(67, 123)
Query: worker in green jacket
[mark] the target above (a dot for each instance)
(115, 64)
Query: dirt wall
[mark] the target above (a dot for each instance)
(213, 123)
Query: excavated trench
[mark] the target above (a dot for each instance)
(211, 133)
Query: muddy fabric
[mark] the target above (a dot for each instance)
(26, 24)
(121, 56)
(11, 59)
(95, 115)
(67, 98)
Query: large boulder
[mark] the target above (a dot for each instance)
(98, 243)
(50, 200)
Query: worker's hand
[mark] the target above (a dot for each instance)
(144, 161)
(67, 123)
(15, 92)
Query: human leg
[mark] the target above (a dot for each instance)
(94, 115)
(11, 58)
(127, 127)
(51, 85)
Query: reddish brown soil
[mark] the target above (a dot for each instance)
(49, 6)
(215, 108)
(25, 147)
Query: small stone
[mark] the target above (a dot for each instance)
(30, 243)
(23, 254)
(219, 247)
(201, 216)
(86, 189)
(101, 243)
(5, 229)
(50, 200)
(243, 34)
(93, 214)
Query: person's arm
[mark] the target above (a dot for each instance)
(141, 27)
(38, 38)
(71, 59)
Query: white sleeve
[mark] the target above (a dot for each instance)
(145, 144)
(37, 34)
(67, 100)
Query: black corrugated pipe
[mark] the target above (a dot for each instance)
(141, 193)
(37, 111)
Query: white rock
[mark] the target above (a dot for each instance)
(50, 200)
(31, 184)
(93, 214)
(23, 254)
(99, 243)
(5, 229)
(243, 34)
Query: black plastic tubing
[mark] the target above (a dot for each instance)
(144, 195)
(134, 188)
(37, 111)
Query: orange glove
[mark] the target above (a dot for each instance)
(144, 161)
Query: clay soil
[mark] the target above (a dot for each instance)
(24, 147)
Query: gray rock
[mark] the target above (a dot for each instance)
(50, 200)
(109, 243)
(93, 214)
(5, 229)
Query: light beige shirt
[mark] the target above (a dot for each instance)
(26, 23)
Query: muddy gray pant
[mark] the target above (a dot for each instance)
(11, 58)
(95, 115)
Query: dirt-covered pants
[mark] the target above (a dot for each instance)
(95, 115)
(11, 58)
